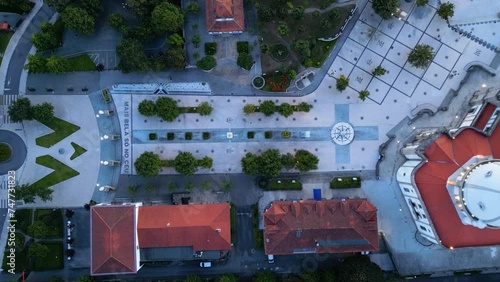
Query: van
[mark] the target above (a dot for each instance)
(205, 264)
(270, 258)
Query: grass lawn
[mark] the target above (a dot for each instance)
(23, 218)
(284, 184)
(4, 41)
(81, 63)
(22, 261)
(79, 150)
(61, 172)
(62, 129)
(233, 223)
(345, 182)
(53, 220)
(258, 235)
(54, 259)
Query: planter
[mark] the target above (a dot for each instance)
(345, 182)
(106, 96)
(268, 134)
(170, 136)
(279, 52)
(250, 134)
(188, 135)
(206, 135)
(153, 136)
(258, 82)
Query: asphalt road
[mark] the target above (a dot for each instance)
(22, 49)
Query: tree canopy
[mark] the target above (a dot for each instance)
(117, 21)
(27, 193)
(268, 108)
(185, 163)
(38, 229)
(270, 163)
(360, 269)
(20, 110)
(176, 58)
(385, 8)
(36, 64)
(265, 276)
(147, 108)
(305, 161)
(342, 83)
(204, 109)
(56, 64)
(167, 108)
(78, 20)
(43, 112)
(285, 110)
(421, 56)
(249, 109)
(446, 10)
(132, 56)
(38, 251)
(142, 8)
(167, 17)
(250, 164)
(147, 164)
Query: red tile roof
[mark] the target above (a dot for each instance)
(327, 226)
(224, 15)
(204, 227)
(445, 156)
(485, 115)
(113, 240)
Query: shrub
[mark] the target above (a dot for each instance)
(188, 135)
(345, 182)
(242, 46)
(210, 48)
(342, 83)
(421, 56)
(286, 134)
(5, 152)
(196, 40)
(206, 135)
(152, 136)
(170, 136)
(207, 63)
(147, 108)
(250, 134)
(249, 109)
(268, 134)
(277, 82)
(204, 109)
(245, 61)
(268, 108)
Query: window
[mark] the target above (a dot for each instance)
(419, 205)
(406, 190)
(423, 215)
(422, 227)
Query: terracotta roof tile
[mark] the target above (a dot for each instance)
(204, 227)
(328, 226)
(224, 16)
(113, 240)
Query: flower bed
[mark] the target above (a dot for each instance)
(276, 82)
(345, 182)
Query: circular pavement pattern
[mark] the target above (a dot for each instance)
(342, 133)
(18, 151)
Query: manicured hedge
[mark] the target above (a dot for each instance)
(345, 182)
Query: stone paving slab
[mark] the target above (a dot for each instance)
(436, 75)
(369, 16)
(398, 54)
(420, 17)
(406, 82)
(391, 27)
(340, 66)
(352, 51)
(446, 57)
(359, 79)
(369, 61)
(418, 72)
(380, 43)
(361, 33)
(424, 89)
(409, 36)
(427, 40)
(438, 28)
(392, 71)
(378, 90)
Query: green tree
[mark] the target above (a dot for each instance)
(142, 8)
(265, 276)
(28, 193)
(302, 47)
(363, 95)
(147, 108)
(245, 61)
(132, 189)
(59, 5)
(150, 188)
(45, 40)
(228, 277)
(117, 21)
(226, 185)
(360, 269)
(288, 161)
(421, 56)
(142, 33)
(264, 13)
(56, 64)
(167, 17)
(93, 7)
(38, 251)
(285, 110)
(78, 20)
(192, 278)
(36, 64)
(268, 108)
(265, 48)
(196, 40)
(249, 109)
(206, 185)
(446, 10)
(421, 3)
(385, 8)
(193, 7)
(304, 107)
(325, 23)
(175, 40)
(167, 108)
(379, 71)
(205, 162)
(204, 109)
(172, 186)
(176, 58)
(20, 110)
(283, 29)
(305, 161)
(38, 229)
(43, 112)
(250, 164)
(86, 278)
(132, 56)
(342, 83)
(189, 186)
(147, 164)
(207, 63)
(334, 14)
(185, 163)
(298, 12)
(270, 163)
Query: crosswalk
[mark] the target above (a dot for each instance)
(7, 100)
(3, 192)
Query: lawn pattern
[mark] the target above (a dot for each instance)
(54, 259)
(62, 129)
(79, 150)
(61, 172)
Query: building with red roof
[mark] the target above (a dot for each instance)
(326, 226)
(450, 179)
(123, 236)
(224, 16)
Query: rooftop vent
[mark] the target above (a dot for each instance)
(218, 230)
(168, 224)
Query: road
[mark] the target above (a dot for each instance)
(22, 49)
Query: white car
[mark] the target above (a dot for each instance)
(205, 264)
(270, 258)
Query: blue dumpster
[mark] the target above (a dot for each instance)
(317, 194)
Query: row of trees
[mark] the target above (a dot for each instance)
(78, 15)
(21, 109)
(387, 8)
(48, 38)
(167, 108)
(39, 64)
(271, 162)
(148, 164)
(268, 108)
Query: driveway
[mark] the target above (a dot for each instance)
(244, 227)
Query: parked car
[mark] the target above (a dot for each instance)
(205, 264)
(270, 258)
